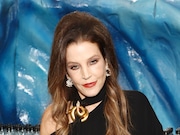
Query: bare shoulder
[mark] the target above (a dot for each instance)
(48, 125)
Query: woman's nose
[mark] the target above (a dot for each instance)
(86, 73)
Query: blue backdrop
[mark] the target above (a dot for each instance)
(146, 35)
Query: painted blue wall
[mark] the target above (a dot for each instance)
(146, 34)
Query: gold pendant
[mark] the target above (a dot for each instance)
(79, 111)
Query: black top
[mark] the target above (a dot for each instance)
(143, 118)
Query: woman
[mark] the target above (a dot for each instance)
(82, 80)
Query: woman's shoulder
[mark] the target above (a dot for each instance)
(135, 97)
(48, 125)
(142, 114)
(134, 94)
(139, 105)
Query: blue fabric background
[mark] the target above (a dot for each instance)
(146, 35)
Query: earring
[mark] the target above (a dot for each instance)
(108, 71)
(69, 82)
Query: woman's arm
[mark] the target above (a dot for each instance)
(48, 125)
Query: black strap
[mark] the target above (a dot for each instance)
(91, 100)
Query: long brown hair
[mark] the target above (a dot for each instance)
(73, 27)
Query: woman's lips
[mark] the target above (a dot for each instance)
(89, 85)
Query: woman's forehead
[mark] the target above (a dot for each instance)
(82, 50)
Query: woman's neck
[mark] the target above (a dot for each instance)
(90, 100)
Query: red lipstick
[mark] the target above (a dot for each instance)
(89, 85)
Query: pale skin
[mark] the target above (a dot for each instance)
(87, 70)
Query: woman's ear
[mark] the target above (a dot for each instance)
(67, 76)
(106, 62)
(108, 71)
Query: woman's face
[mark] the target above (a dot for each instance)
(86, 67)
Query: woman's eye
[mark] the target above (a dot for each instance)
(75, 67)
(93, 62)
